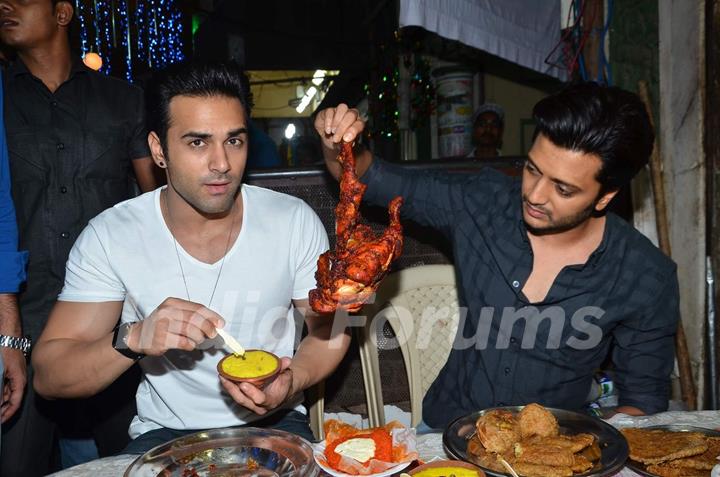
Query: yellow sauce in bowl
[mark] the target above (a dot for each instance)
(254, 364)
(446, 472)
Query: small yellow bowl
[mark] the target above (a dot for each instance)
(447, 467)
(257, 367)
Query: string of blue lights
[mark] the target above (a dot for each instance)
(80, 12)
(126, 38)
(155, 25)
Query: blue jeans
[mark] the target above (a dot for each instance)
(423, 428)
(77, 450)
(290, 421)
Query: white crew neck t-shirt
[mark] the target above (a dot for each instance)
(127, 254)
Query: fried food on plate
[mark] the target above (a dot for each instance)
(657, 446)
(592, 452)
(704, 461)
(581, 464)
(498, 430)
(480, 456)
(535, 420)
(531, 443)
(573, 444)
(664, 470)
(539, 470)
(537, 452)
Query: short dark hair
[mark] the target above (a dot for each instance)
(607, 121)
(193, 78)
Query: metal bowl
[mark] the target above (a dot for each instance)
(612, 443)
(239, 451)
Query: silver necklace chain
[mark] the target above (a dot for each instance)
(177, 254)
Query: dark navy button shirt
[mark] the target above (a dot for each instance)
(623, 302)
(70, 159)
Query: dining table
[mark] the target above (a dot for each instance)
(430, 445)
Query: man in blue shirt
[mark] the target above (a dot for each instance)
(12, 274)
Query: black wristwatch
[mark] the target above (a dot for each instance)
(16, 342)
(119, 342)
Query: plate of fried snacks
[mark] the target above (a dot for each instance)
(672, 451)
(378, 451)
(536, 442)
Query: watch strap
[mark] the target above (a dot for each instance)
(119, 342)
(16, 342)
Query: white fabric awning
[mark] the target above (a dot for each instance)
(522, 31)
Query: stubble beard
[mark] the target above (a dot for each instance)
(563, 225)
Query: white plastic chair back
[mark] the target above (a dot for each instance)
(421, 306)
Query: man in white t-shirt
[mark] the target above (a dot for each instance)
(203, 252)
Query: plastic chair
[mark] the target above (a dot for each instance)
(421, 306)
(315, 402)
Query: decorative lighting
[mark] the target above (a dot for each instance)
(306, 99)
(126, 43)
(145, 31)
(289, 131)
(93, 61)
(80, 12)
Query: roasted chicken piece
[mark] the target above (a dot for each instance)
(348, 276)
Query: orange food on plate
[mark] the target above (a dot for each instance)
(381, 439)
(365, 451)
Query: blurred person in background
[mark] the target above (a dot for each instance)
(487, 132)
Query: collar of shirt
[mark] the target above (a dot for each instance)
(595, 256)
(18, 68)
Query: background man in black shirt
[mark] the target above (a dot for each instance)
(543, 252)
(75, 139)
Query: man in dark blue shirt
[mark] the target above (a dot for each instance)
(552, 283)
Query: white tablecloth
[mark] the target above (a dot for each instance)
(430, 445)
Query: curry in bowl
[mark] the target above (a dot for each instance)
(256, 366)
(445, 468)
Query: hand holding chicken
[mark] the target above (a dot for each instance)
(348, 276)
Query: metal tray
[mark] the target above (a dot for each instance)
(612, 443)
(239, 451)
(639, 467)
